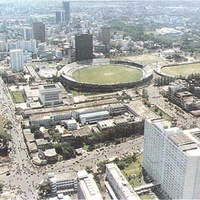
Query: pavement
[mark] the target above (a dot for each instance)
(25, 177)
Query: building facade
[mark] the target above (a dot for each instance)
(50, 94)
(104, 36)
(61, 16)
(87, 188)
(172, 159)
(66, 182)
(66, 7)
(16, 60)
(28, 33)
(39, 31)
(84, 47)
(120, 187)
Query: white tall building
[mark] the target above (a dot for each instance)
(61, 16)
(28, 33)
(16, 60)
(172, 159)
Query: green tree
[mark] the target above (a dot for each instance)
(1, 187)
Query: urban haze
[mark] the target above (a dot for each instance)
(99, 99)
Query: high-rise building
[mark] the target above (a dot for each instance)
(39, 31)
(172, 159)
(104, 36)
(84, 47)
(16, 60)
(61, 16)
(28, 33)
(66, 7)
(86, 187)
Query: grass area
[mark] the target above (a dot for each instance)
(133, 172)
(160, 112)
(107, 74)
(85, 147)
(145, 59)
(183, 70)
(18, 96)
(146, 197)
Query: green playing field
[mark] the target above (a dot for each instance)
(184, 70)
(107, 74)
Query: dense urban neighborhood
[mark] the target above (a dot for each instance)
(99, 100)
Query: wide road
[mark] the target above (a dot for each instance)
(24, 176)
(90, 159)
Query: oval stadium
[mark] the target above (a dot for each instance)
(103, 75)
(181, 69)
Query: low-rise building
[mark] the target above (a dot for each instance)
(65, 183)
(93, 117)
(50, 94)
(41, 144)
(87, 188)
(32, 147)
(50, 155)
(117, 184)
(71, 124)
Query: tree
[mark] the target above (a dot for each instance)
(38, 134)
(1, 187)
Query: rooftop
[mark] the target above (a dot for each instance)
(88, 186)
(121, 181)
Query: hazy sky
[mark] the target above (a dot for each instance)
(32, 1)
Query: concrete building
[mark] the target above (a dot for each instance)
(93, 117)
(65, 183)
(39, 31)
(50, 155)
(84, 47)
(71, 124)
(50, 94)
(117, 185)
(104, 36)
(87, 188)
(61, 16)
(28, 33)
(66, 7)
(172, 159)
(16, 60)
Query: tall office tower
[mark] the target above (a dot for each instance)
(61, 16)
(172, 159)
(104, 36)
(66, 7)
(84, 47)
(39, 31)
(28, 33)
(16, 60)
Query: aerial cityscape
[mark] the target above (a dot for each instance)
(99, 100)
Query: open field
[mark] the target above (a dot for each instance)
(145, 59)
(107, 74)
(18, 96)
(134, 170)
(183, 70)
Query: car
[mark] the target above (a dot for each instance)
(8, 173)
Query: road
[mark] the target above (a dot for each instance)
(184, 119)
(90, 159)
(24, 176)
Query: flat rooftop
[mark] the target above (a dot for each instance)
(187, 141)
(121, 181)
